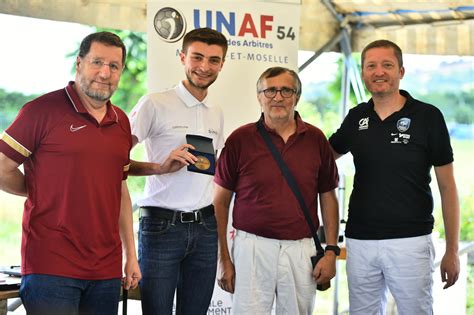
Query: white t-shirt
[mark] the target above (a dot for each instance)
(162, 121)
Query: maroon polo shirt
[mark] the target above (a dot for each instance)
(264, 203)
(74, 169)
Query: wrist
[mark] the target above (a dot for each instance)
(157, 169)
(223, 253)
(330, 254)
(332, 249)
(130, 256)
(452, 250)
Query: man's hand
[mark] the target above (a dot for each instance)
(226, 275)
(325, 269)
(132, 274)
(450, 268)
(177, 159)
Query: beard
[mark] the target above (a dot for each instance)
(95, 94)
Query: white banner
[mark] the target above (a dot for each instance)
(261, 34)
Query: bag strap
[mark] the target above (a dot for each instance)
(291, 182)
(124, 301)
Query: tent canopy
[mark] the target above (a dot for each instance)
(439, 27)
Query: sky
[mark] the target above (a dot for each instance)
(32, 58)
(33, 55)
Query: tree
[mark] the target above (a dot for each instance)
(320, 104)
(10, 104)
(133, 81)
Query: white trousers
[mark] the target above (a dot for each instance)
(404, 266)
(267, 268)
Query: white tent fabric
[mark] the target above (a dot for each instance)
(421, 27)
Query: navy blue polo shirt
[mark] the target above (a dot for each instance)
(391, 197)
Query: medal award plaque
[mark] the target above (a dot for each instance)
(206, 163)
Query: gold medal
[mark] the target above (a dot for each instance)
(202, 163)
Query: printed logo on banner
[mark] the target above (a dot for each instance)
(248, 24)
(245, 31)
(170, 24)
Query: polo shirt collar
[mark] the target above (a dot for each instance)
(408, 107)
(409, 99)
(110, 116)
(300, 125)
(188, 99)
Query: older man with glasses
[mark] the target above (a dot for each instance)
(273, 245)
(74, 145)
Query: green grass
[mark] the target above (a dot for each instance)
(463, 174)
(463, 169)
(11, 211)
(470, 290)
(136, 184)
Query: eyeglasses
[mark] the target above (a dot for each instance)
(272, 92)
(97, 64)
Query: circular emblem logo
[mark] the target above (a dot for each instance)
(170, 24)
(403, 124)
(202, 163)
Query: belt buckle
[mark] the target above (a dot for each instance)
(189, 217)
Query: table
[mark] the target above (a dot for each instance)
(4, 296)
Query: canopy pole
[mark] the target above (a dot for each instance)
(328, 46)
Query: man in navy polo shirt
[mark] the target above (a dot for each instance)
(395, 141)
(74, 146)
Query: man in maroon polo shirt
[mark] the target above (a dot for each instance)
(74, 146)
(273, 245)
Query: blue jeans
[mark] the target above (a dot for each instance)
(179, 257)
(53, 295)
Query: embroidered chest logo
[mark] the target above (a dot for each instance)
(403, 124)
(364, 123)
(74, 129)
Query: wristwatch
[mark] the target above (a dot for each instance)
(334, 248)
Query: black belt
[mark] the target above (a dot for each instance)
(195, 216)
